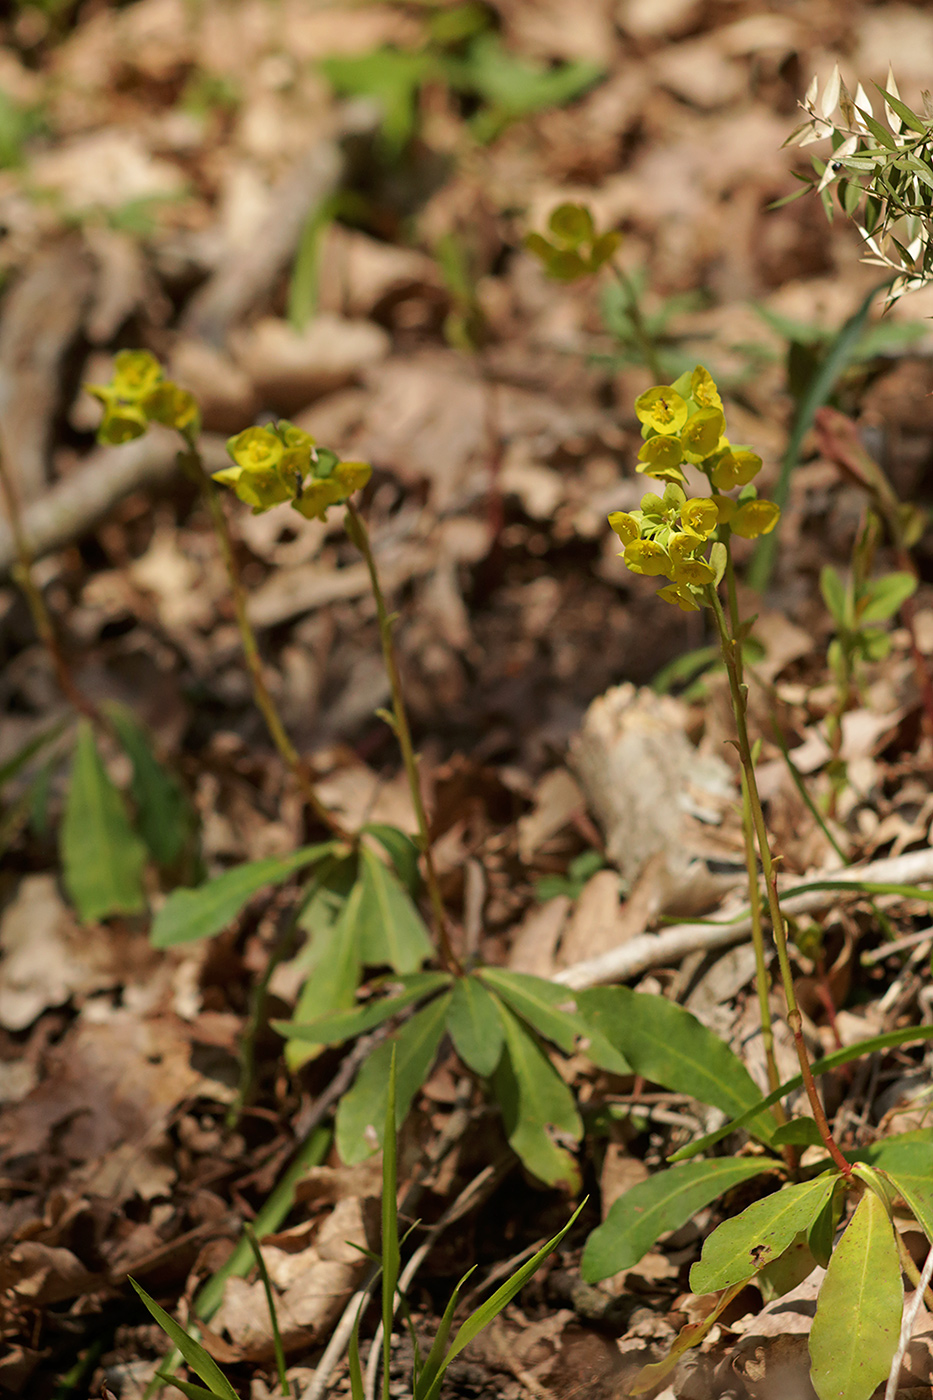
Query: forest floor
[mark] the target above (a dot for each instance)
(215, 182)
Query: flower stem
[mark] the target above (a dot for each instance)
(640, 331)
(193, 464)
(41, 617)
(358, 533)
(738, 694)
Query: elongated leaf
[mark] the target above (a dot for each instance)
(401, 850)
(193, 1392)
(798, 1132)
(434, 1358)
(888, 1041)
(746, 1243)
(494, 1305)
(102, 857)
(858, 1315)
(338, 1026)
(909, 1165)
(332, 985)
(390, 1247)
(475, 1026)
(164, 815)
(788, 1269)
(536, 1105)
(201, 1363)
(191, 914)
(834, 595)
(664, 1202)
(550, 1009)
(907, 115)
(391, 929)
(666, 1044)
(886, 595)
(361, 1114)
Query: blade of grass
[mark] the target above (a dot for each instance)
(250, 1234)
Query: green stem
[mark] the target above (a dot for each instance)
(778, 929)
(358, 533)
(250, 1234)
(193, 463)
(642, 335)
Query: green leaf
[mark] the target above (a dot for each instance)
(475, 1026)
(789, 1269)
(572, 224)
(500, 1300)
(514, 86)
(193, 1392)
(888, 1041)
(334, 1027)
(536, 1104)
(880, 133)
(191, 914)
(391, 78)
(667, 1045)
(664, 1202)
(551, 1009)
(747, 1242)
(823, 1230)
(858, 1315)
(332, 984)
(391, 929)
(798, 1132)
(361, 1113)
(21, 757)
(102, 857)
(391, 1261)
(909, 1165)
(402, 852)
(434, 1359)
(164, 815)
(834, 595)
(885, 595)
(197, 1358)
(906, 114)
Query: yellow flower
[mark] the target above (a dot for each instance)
(625, 526)
(661, 457)
(122, 423)
(662, 409)
(755, 518)
(735, 467)
(260, 489)
(256, 449)
(135, 373)
(646, 557)
(175, 407)
(725, 508)
(700, 515)
(316, 497)
(352, 476)
(293, 436)
(703, 389)
(695, 571)
(681, 596)
(702, 433)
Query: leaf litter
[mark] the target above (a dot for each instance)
(165, 141)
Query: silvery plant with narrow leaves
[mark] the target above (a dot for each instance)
(881, 173)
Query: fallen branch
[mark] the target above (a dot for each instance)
(647, 950)
(81, 500)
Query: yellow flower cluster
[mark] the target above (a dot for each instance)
(282, 463)
(683, 423)
(139, 394)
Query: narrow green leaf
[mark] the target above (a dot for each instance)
(888, 1041)
(193, 1392)
(191, 914)
(798, 1132)
(909, 1165)
(361, 1113)
(536, 1104)
(879, 132)
(401, 850)
(201, 1363)
(357, 1389)
(834, 595)
(789, 1269)
(332, 984)
(335, 1027)
(102, 857)
(885, 595)
(667, 1200)
(858, 1315)
(689, 1336)
(907, 115)
(747, 1242)
(475, 1026)
(434, 1358)
(391, 929)
(164, 815)
(823, 1230)
(668, 1045)
(500, 1300)
(550, 1009)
